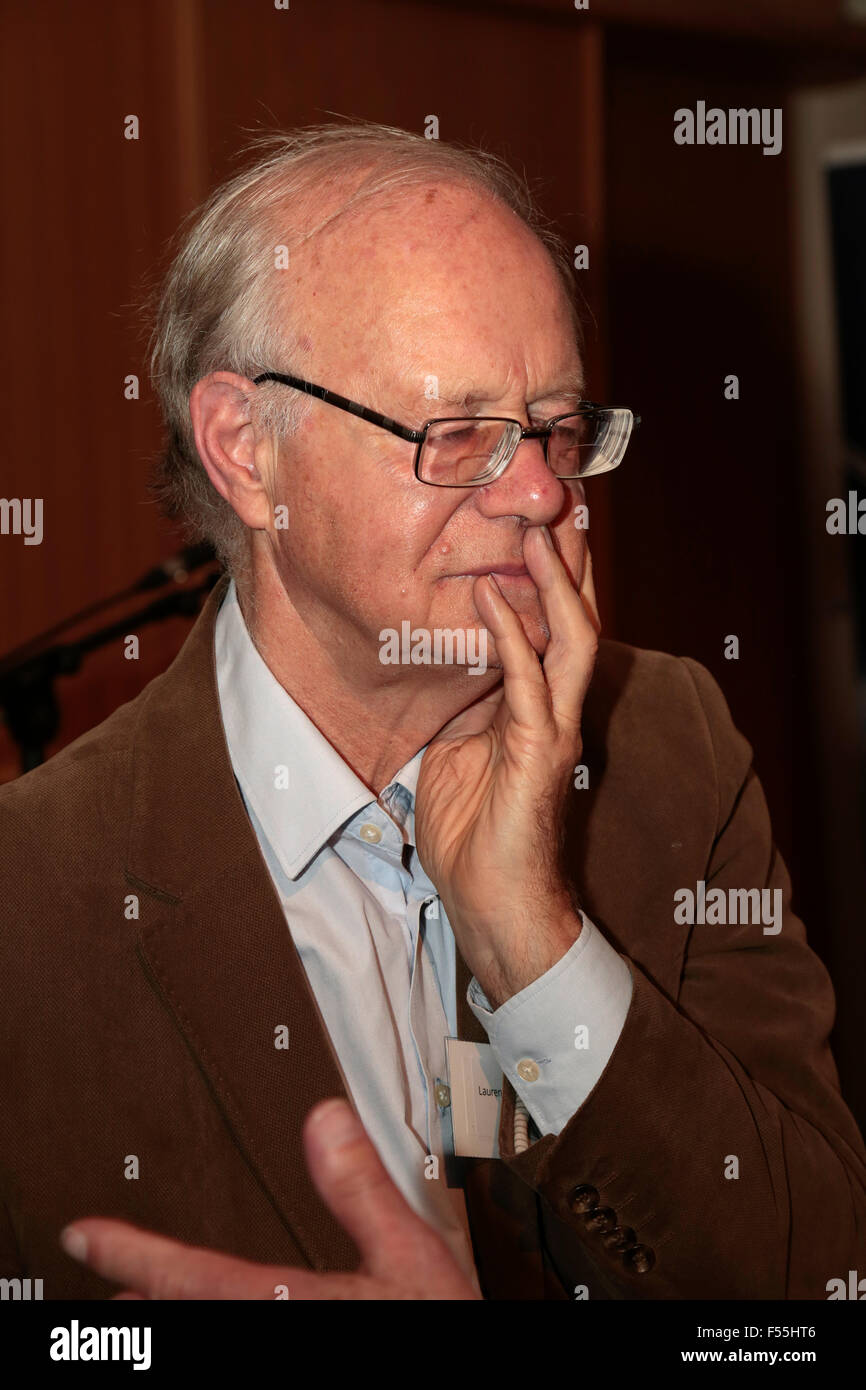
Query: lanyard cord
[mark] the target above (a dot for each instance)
(521, 1126)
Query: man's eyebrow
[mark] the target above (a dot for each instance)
(454, 395)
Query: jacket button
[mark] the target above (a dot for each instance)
(639, 1258)
(620, 1238)
(583, 1199)
(600, 1220)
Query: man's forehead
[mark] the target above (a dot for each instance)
(429, 339)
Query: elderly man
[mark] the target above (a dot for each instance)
(311, 851)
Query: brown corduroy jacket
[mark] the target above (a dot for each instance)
(145, 963)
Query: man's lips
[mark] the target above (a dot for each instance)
(517, 568)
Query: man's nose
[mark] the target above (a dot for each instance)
(527, 488)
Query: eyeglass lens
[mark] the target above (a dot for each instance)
(457, 453)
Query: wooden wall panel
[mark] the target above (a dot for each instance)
(712, 534)
(86, 214)
(829, 21)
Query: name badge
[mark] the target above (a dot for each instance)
(475, 1082)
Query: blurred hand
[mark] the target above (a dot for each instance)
(401, 1256)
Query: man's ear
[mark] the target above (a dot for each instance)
(226, 442)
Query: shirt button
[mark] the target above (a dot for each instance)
(584, 1198)
(621, 1238)
(371, 833)
(640, 1258)
(443, 1096)
(601, 1220)
(527, 1070)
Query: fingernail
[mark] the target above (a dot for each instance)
(495, 584)
(547, 536)
(342, 1126)
(74, 1243)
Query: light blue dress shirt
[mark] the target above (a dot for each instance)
(377, 949)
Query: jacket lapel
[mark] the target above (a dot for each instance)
(213, 941)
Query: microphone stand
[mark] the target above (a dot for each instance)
(27, 695)
(176, 569)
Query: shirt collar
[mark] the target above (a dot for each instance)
(267, 730)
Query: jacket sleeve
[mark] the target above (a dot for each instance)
(715, 1157)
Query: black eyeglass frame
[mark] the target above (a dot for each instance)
(418, 437)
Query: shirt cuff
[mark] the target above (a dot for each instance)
(554, 1039)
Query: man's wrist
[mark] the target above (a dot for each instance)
(543, 941)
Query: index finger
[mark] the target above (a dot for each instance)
(159, 1268)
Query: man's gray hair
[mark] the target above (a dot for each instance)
(222, 308)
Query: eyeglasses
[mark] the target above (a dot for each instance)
(454, 452)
